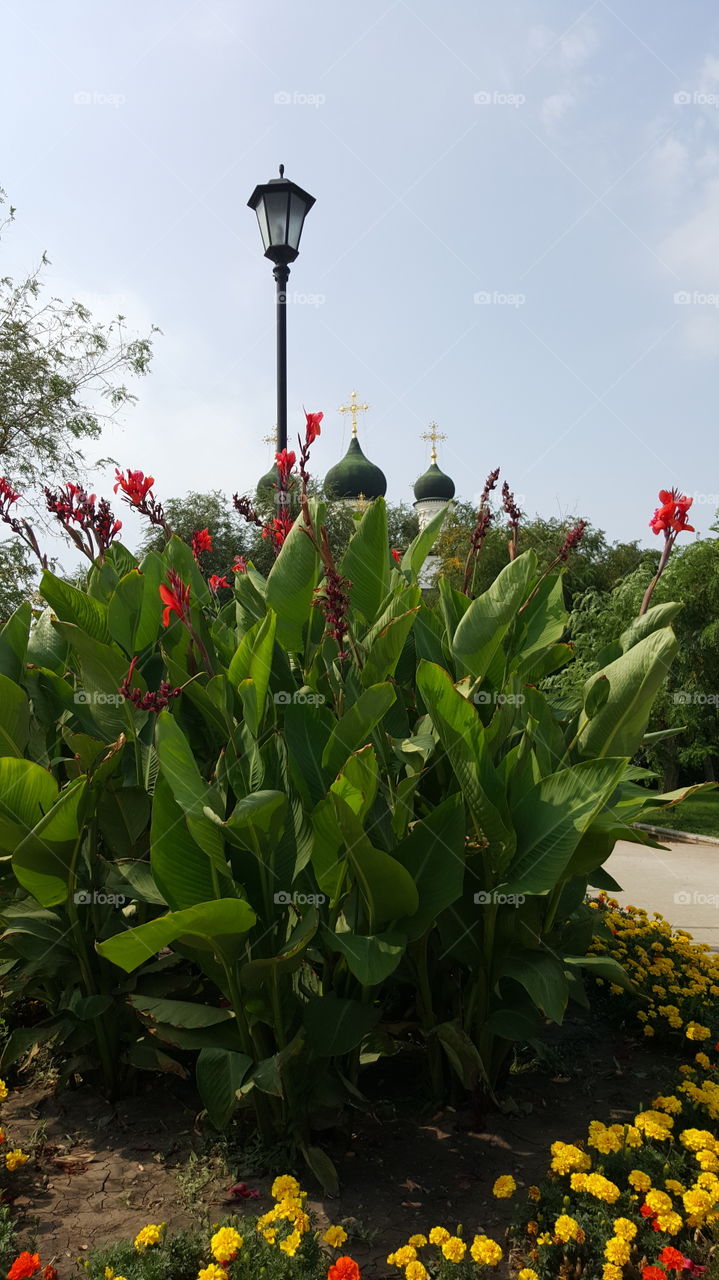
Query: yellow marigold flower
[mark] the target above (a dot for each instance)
(617, 1250)
(648, 1031)
(504, 1187)
(702, 1060)
(486, 1252)
(3, 1091)
(406, 1254)
(697, 1202)
(611, 1272)
(438, 1235)
(527, 1273)
(416, 1271)
(676, 1188)
(225, 1244)
(291, 1244)
(697, 1139)
(707, 1160)
(569, 1159)
(655, 1124)
(670, 1223)
(566, 1228)
(624, 1228)
(454, 1249)
(151, 1234)
(601, 1188)
(14, 1159)
(545, 1238)
(285, 1187)
(336, 1236)
(659, 1202)
(419, 1241)
(212, 1272)
(695, 1031)
(270, 1234)
(670, 1104)
(533, 1193)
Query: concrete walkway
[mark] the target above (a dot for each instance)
(681, 882)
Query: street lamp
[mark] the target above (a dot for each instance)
(281, 207)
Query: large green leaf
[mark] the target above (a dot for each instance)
(257, 974)
(75, 606)
(418, 550)
(307, 730)
(14, 718)
(365, 563)
(194, 796)
(370, 957)
(551, 818)
(180, 867)
(355, 727)
(484, 625)
(634, 679)
(388, 889)
(251, 667)
(292, 581)
(462, 735)
(386, 648)
(41, 861)
(216, 926)
(220, 1073)
(433, 854)
(335, 1026)
(102, 669)
(27, 792)
(14, 641)
(542, 976)
(124, 610)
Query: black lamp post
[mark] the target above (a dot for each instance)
(281, 207)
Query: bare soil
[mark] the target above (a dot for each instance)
(100, 1171)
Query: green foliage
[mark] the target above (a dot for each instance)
(253, 879)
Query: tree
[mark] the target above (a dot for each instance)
(61, 377)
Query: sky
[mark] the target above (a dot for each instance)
(515, 235)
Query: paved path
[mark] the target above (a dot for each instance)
(681, 881)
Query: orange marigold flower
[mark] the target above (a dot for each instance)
(344, 1269)
(26, 1264)
(672, 1258)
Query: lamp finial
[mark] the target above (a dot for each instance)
(282, 171)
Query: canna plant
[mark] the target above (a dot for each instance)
(243, 835)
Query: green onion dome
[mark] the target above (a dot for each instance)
(268, 483)
(355, 475)
(434, 484)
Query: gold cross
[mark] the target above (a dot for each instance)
(354, 408)
(434, 435)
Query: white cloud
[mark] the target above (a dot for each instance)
(554, 107)
(578, 46)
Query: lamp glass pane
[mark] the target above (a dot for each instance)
(298, 209)
(262, 219)
(276, 203)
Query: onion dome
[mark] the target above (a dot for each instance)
(268, 483)
(434, 484)
(355, 476)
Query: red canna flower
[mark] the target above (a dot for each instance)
(239, 566)
(671, 516)
(285, 462)
(313, 426)
(278, 528)
(26, 1264)
(241, 1191)
(396, 555)
(673, 1259)
(201, 541)
(214, 582)
(345, 1269)
(8, 495)
(135, 485)
(176, 598)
